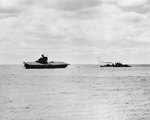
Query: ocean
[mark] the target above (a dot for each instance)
(78, 92)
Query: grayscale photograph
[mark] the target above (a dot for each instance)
(74, 59)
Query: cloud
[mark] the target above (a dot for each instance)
(9, 6)
(127, 3)
(69, 5)
(73, 27)
(3, 16)
(76, 4)
(13, 8)
(134, 17)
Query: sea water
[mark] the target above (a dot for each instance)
(78, 92)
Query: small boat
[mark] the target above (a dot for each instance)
(118, 64)
(37, 65)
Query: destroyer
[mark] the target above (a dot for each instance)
(43, 63)
(118, 64)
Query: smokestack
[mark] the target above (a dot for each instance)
(100, 61)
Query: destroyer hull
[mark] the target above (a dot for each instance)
(115, 66)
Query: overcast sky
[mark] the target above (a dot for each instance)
(75, 31)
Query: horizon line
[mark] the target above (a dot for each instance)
(79, 63)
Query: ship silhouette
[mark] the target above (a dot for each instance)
(44, 63)
(117, 64)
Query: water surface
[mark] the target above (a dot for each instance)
(78, 92)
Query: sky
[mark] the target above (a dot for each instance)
(75, 31)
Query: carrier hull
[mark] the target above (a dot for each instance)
(49, 65)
